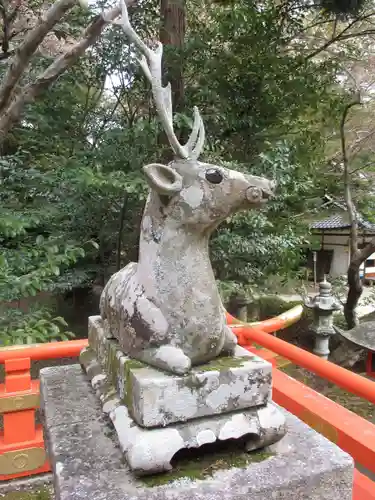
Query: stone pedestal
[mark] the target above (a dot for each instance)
(156, 414)
(87, 463)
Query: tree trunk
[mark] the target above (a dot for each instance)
(354, 281)
(354, 294)
(172, 34)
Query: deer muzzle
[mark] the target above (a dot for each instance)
(255, 194)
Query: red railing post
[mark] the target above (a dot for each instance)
(18, 425)
(21, 442)
(370, 364)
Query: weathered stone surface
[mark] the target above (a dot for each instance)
(151, 450)
(156, 398)
(87, 462)
(148, 451)
(56, 386)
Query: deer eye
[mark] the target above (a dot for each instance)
(214, 176)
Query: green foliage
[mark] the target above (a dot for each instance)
(65, 172)
(251, 88)
(270, 305)
(71, 191)
(38, 325)
(266, 109)
(43, 494)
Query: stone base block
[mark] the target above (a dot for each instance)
(87, 462)
(156, 398)
(148, 451)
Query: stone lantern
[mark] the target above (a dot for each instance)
(323, 306)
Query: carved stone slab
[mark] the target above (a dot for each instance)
(148, 451)
(156, 399)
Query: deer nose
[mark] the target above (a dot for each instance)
(254, 194)
(269, 193)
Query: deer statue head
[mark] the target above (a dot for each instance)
(166, 310)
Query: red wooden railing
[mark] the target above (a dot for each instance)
(22, 447)
(22, 451)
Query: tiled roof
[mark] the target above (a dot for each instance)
(341, 222)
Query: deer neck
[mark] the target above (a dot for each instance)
(171, 255)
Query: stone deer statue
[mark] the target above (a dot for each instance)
(166, 310)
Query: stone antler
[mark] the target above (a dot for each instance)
(151, 63)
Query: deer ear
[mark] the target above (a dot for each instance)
(163, 179)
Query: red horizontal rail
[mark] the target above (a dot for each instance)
(271, 325)
(363, 488)
(52, 350)
(349, 431)
(346, 379)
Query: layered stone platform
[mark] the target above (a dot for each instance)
(87, 462)
(156, 398)
(150, 450)
(156, 413)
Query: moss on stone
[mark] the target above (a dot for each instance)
(223, 363)
(201, 467)
(109, 393)
(27, 495)
(134, 364)
(131, 364)
(113, 361)
(111, 357)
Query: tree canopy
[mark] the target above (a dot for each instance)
(77, 124)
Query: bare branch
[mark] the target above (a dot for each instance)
(365, 252)
(343, 35)
(6, 28)
(29, 46)
(362, 167)
(8, 16)
(13, 113)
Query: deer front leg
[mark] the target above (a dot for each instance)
(152, 330)
(166, 357)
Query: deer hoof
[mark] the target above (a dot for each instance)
(166, 357)
(173, 358)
